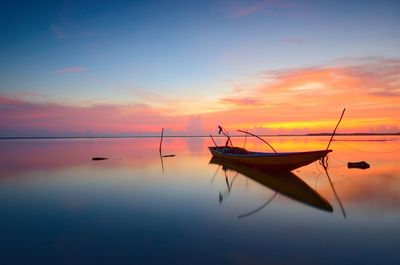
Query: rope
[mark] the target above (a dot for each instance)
(373, 152)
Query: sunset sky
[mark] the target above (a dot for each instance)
(84, 68)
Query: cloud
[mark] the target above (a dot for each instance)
(57, 32)
(375, 78)
(25, 118)
(294, 40)
(70, 30)
(245, 101)
(251, 7)
(313, 97)
(86, 33)
(195, 126)
(75, 69)
(297, 100)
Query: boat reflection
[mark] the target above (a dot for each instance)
(285, 183)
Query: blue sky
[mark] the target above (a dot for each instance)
(149, 52)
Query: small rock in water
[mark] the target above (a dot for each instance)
(99, 158)
(361, 165)
(168, 156)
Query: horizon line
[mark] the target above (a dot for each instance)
(189, 136)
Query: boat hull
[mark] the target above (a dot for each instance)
(273, 161)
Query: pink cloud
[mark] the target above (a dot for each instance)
(24, 118)
(75, 69)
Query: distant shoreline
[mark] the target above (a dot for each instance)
(190, 136)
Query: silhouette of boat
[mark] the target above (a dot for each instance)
(285, 161)
(283, 182)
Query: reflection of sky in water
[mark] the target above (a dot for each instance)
(59, 207)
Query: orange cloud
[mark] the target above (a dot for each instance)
(313, 98)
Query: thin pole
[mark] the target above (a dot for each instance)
(213, 141)
(162, 134)
(334, 131)
(225, 133)
(245, 140)
(258, 138)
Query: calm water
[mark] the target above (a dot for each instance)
(57, 206)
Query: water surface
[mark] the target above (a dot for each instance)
(57, 206)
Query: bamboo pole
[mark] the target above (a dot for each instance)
(213, 141)
(225, 133)
(245, 140)
(334, 131)
(162, 135)
(258, 138)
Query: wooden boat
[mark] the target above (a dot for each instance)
(286, 161)
(283, 182)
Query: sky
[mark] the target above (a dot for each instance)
(87, 68)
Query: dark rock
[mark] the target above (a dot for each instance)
(168, 156)
(360, 165)
(99, 158)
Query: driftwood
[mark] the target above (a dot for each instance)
(360, 165)
(96, 158)
(160, 147)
